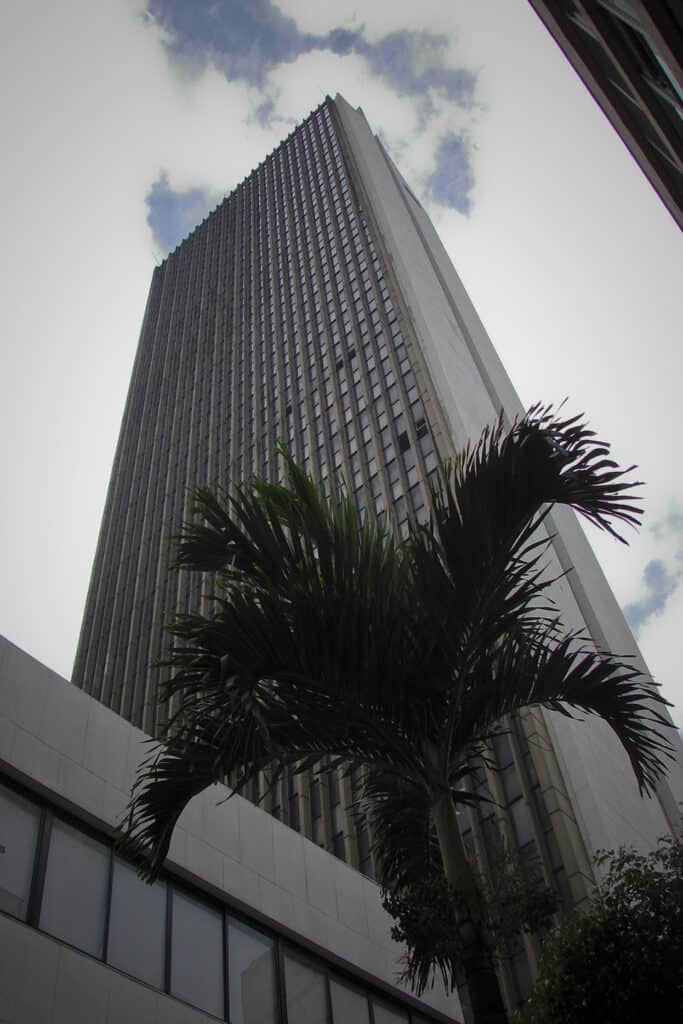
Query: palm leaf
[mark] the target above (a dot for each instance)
(327, 638)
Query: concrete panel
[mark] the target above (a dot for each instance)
(349, 945)
(321, 890)
(192, 818)
(379, 922)
(204, 861)
(130, 1001)
(21, 687)
(35, 759)
(220, 821)
(114, 804)
(107, 737)
(8, 732)
(276, 902)
(82, 992)
(138, 750)
(307, 920)
(81, 787)
(241, 882)
(351, 896)
(178, 849)
(28, 973)
(64, 717)
(256, 840)
(171, 1011)
(290, 872)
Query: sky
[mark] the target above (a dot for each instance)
(125, 122)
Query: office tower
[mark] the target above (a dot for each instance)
(317, 305)
(629, 54)
(276, 319)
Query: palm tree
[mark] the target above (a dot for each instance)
(328, 638)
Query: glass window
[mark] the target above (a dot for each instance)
(306, 996)
(502, 749)
(137, 925)
(197, 954)
(512, 786)
(253, 997)
(75, 891)
(384, 1014)
(348, 1005)
(19, 823)
(521, 819)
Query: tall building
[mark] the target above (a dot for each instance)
(629, 54)
(317, 305)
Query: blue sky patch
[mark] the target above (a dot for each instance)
(248, 38)
(244, 38)
(659, 584)
(412, 62)
(659, 581)
(452, 180)
(172, 215)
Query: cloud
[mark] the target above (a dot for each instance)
(255, 43)
(659, 580)
(172, 215)
(413, 62)
(659, 583)
(452, 180)
(670, 523)
(247, 39)
(244, 38)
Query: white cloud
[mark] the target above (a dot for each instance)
(306, 81)
(376, 17)
(317, 18)
(660, 642)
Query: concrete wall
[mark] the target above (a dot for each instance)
(54, 735)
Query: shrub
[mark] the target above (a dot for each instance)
(621, 959)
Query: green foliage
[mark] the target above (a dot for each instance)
(433, 922)
(621, 960)
(325, 638)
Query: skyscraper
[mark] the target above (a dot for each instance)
(278, 318)
(317, 305)
(629, 54)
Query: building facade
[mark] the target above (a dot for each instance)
(317, 305)
(249, 922)
(629, 54)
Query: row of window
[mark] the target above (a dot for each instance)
(214, 405)
(69, 883)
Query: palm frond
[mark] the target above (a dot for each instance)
(326, 638)
(561, 672)
(481, 563)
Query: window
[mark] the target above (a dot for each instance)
(521, 820)
(19, 824)
(384, 1014)
(252, 989)
(137, 926)
(348, 1005)
(197, 954)
(75, 890)
(306, 995)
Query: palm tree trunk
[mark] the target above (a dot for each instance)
(480, 994)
